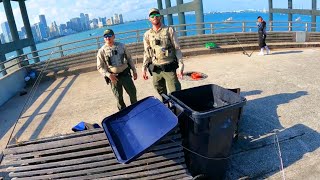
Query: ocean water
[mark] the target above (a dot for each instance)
(217, 18)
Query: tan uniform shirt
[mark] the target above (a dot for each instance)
(119, 57)
(165, 50)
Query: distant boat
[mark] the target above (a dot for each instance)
(298, 19)
(92, 34)
(228, 20)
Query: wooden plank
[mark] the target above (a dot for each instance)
(84, 153)
(9, 159)
(94, 171)
(56, 144)
(111, 164)
(63, 156)
(58, 138)
(134, 175)
(84, 160)
(77, 147)
(184, 176)
(171, 174)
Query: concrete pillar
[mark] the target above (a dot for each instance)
(2, 59)
(27, 26)
(182, 19)
(199, 16)
(314, 17)
(270, 15)
(169, 16)
(12, 24)
(290, 14)
(160, 7)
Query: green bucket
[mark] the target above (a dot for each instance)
(210, 45)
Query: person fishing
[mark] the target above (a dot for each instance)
(262, 25)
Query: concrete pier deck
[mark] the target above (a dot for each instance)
(282, 89)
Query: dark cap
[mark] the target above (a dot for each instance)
(108, 32)
(259, 17)
(152, 10)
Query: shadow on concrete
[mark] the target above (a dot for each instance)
(256, 153)
(48, 114)
(285, 52)
(12, 108)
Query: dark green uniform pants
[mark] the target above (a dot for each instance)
(165, 82)
(125, 82)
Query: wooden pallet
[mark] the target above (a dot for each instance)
(88, 155)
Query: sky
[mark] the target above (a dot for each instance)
(62, 11)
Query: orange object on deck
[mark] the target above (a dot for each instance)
(196, 75)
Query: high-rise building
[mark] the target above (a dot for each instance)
(109, 22)
(34, 33)
(120, 19)
(54, 30)
(6, 32)
(43, 21)
(112, 20)
(23, 29)
(83, 22)
(41, 31)
(94, 23)
(116, 19)
(63, 29)
(21, 34)
(76, 24)
(87, 21)
(102, 21)
(2, 40)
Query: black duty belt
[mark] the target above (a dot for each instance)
(167, 67)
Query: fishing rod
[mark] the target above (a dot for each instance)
(244, 51)
(29, 98)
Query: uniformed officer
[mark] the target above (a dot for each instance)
(162, 53)
(114, 63)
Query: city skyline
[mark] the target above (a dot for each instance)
(132, 9)
(41, 31)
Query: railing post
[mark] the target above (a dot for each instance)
(212, 28)
(306, 27)
(61, 51)
(290, 26)
(2, 67)
(138, 36)
(271, 26)
(243, 26)
(98, 42)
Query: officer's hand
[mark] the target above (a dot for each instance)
(144, 75)
(135, 76)
(113, 78)
(180, 73)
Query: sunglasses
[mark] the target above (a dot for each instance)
(107, 35)
(154, 15)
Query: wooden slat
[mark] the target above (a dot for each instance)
(56, 144)
(103, 157)
(105, 169)
(171, 174)
(178, 176)
(78, 147)
(142, 172)
(68, 155)
(89, 155)
(63, 156)
(111, 165)
(58, 138)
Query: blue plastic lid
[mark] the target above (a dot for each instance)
(134, 129)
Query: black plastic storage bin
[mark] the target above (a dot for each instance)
(207, 125)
